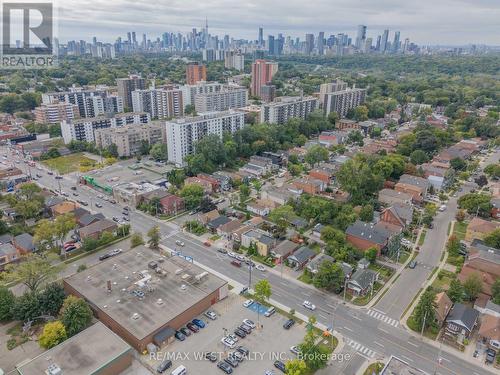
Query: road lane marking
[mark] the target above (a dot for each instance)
(407, 358)
(356, 317)
(383, 330)
(347, 328)
(412, 344)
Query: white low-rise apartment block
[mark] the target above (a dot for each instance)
(160, 103)
(288, 107)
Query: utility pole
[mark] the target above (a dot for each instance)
(423, 324)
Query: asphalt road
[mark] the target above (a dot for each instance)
(370, 335)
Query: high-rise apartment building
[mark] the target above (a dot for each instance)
(129, 138)
(325, 88)
(287, 107)
(309, 46)
(262, 73)
(383, 42)
(267, 93)
(160, 103)
(228, 97)
(183, 133)
(56, 113)
(127, 85)
(234, 60)
(361, 37)
(83, 129)
(189, 92)
(271, 48)
(195, 72)
(343, 101)
(396, 42)
(321, 43)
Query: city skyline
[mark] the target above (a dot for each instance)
(466, 21)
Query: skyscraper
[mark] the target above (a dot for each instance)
(321, 43)
(262, 73)
(309, 43)
(261, 36)
(395, 43)
(134, 40)
(270, 45)
(361, 37)
(127, 85)
(195, 72)
(383, 42)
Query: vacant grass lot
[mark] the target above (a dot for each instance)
(69, 163)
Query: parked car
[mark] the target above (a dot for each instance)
(179, 336)
(200, 323)
(231, 254)
(245, 329)
(249, 323)
(212, 357)
(243, 350)
(490, 356)
(231, 361)
(227, 342)
(224, 366)
(288, 324)
(236, 263)
(98, 205)
(165, 365)
(207, 244)
(240, 333)
(185, 331)
(233, 337)
(211, 315)
(193, 327)
(308, 305)
(270, 311)
(236, 355)
(280, 366)
(412, 264)
(248, 303)
(222, 250)
(295, 350)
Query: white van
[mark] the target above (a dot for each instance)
(181, 370)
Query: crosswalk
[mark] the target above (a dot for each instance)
(384, 318)
(363, 350)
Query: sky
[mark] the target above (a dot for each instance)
(445, 22)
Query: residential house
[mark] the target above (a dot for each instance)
(238, 233)
(96, 229)
(206, 185)
(316, 231)
(443, 307)
(362, 281)
(262, 240)
(300, 257)
(226, 230)
(366, 235)
(279, 195)
(211, 179)
(260, 207)
(24, 244)
(324, 172)
(8, 254)
(63, 208)
(89, 218)
(390, 197)
(172, 204)
(495, 210)
(488, 307)
(278, 158)
(315, 263)
(259, 166)
(489, 331)
(416, 192)
(483, 261)
(480, 228)
(395, 218)
(206, 217)
(214, 224)
(461, 321)
(310, 185)
(346, 124)
(283, 250)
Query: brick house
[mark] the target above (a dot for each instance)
(172, 204)
(214, 182)
(366, 235)
(310, 185)
(96, 229)
(207, 186)
(479, 228)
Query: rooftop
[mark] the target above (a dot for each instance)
(84, 353)
(165, 296)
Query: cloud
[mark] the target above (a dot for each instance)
(423, 21)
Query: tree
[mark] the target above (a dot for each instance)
(456, 291)
(206, 205)
(355, 137)
(53, 334)
(112, 150)
(75, 315)
(34, 271)
(329, 276)
(262, 290)
(460, 216)
(316, 154)
(159, 151)
(176, 177)
(296, 366)
(476, 204)
(136, 240)
(44, 234)
(473, 286)
(192, 194)
(331, 234)
(144, 148)
(244, 193)
(361, 113)
(366, 213)
(418, 157)
(63, 224)
(453, 246)
(190, 110)
(27, 307)
(425, 311)
(492, 170)
(495, 292)
(52, 298)
(154, 237)
(458, 164)
(7, 301)
(371, 254)
(481, 181)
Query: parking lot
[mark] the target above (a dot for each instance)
(265, 344)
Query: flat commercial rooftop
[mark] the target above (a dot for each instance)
(142, 300)
(84, 353)
(396, 366)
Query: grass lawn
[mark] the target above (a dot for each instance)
(361, 301)
(430, 333)
(443, 280)
(374, 368)
(422, 237)
(69, 163)
(403, 257)
(457, 261)
(460, 229)
(384, 272)
(305, 278)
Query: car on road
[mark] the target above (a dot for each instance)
(193, 327)
(241, 258)
(58, 177)
(112, 201)
(83, 203)
(211, 315)
(125, 213)
(308, 305)
(207, 244)
(73, 187)
(50, 173)
(200, 323)
(288, 324)
(39, 175)
(260, 267)
(100, 196)
(179, 243)
(75, 194)
(231, 254)
(64, 194)
(248, 302)
(280, 366)
(442, 207)
(126, 218)
(164, 366)
(224, 366)
(222, 250)
(116, 219)
(249, 323)
(269, 372)
(98, 205)
(412, 264)
(110, 254)
(236, 263)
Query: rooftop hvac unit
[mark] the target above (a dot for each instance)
(135, 316)
(201, 276)
(179, 271)
(53, 369)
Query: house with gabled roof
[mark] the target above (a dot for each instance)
(461, 321)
